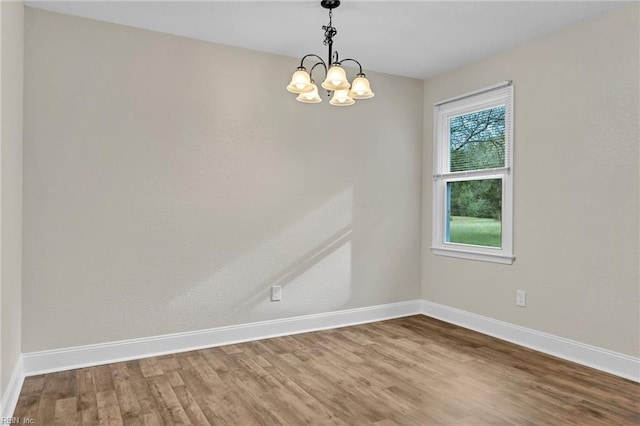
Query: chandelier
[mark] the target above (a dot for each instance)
(335, 82)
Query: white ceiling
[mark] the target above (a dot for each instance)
(409, 38)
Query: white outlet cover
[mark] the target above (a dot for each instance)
(276, 293)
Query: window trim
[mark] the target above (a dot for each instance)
(500, 94)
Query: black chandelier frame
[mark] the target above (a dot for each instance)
(329, 32)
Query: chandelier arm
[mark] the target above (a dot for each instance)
(336, 58)
(352, 60)
(316, 56)
(315, 65)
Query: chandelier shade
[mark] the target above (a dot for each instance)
(341, 98)
(361, 89)
(311, 97)
(300, 81)
(335, 80)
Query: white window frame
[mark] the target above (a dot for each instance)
(490, 97)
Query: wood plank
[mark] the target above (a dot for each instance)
(108, 409)
(47, 403)
(66, 412)
(150, 367)
(127, 399)
(102, 378)
(170, 409)
(190, 405)
(27, 406)
(33, 385)
(88, 406)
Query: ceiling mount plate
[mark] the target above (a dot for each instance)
(330, 4)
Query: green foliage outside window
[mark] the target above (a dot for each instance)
(476, 198)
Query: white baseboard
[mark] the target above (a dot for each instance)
(105, 353)
(581, 353)
(84, 356)
(11, 394)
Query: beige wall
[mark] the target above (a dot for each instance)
(170, 182)
(11, 52)
(576, 187)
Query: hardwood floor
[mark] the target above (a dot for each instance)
(408, 371)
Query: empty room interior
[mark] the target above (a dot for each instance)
(319, 212)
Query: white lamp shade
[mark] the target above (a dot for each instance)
(341, 98)
(360, 89)
(300, 82)
(311, 97)
(336, 79)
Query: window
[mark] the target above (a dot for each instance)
(473, 175)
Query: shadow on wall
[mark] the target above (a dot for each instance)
(332, 255)
(310, 259)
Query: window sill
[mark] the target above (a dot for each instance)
(473, 255)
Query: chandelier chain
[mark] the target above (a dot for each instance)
(329, 30)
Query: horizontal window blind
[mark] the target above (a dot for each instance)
(474, 134)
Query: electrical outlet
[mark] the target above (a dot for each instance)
(276, 293)
(521, 298)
